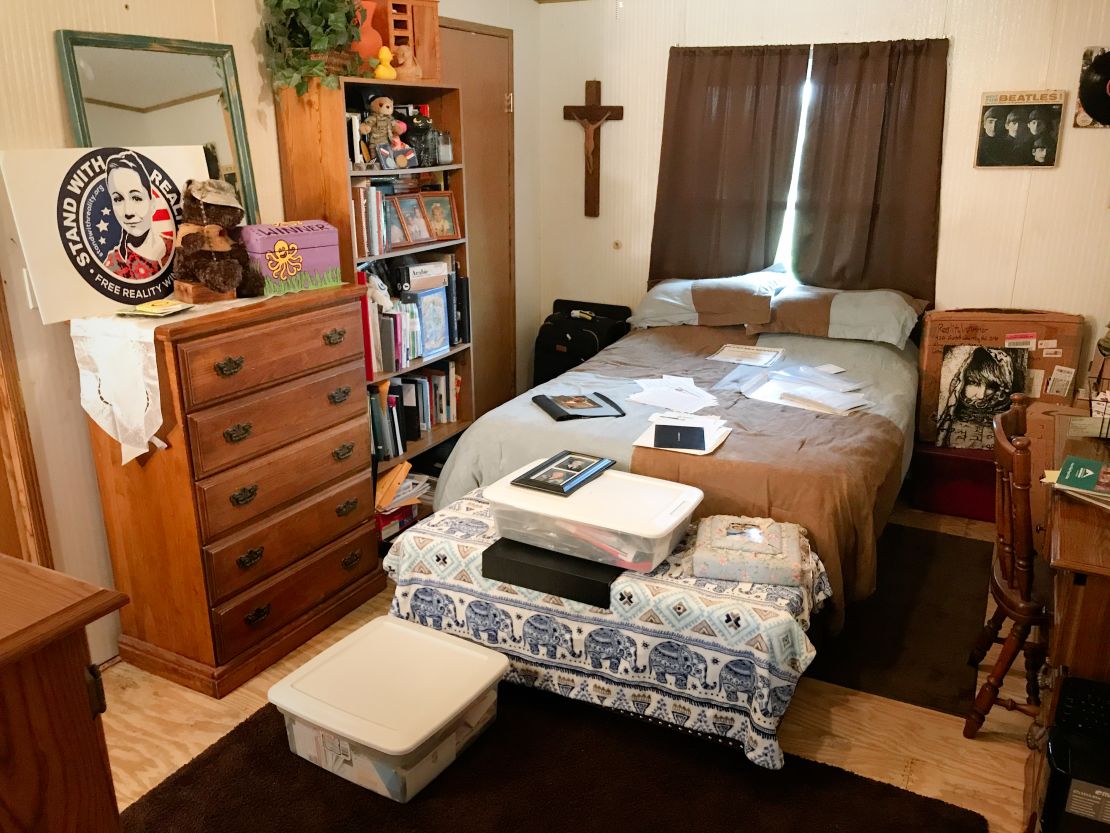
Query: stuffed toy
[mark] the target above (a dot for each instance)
(207, 252)
(384, 71)
(380, 128)
(407, 68)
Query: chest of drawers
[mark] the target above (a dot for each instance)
(252, 530)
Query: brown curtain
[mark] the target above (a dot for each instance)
(869, 189)
(729, 130)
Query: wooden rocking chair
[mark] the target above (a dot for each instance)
(1012, 567)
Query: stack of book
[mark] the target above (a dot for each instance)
(405, 408)
(1087, 480)
(402, 498)
(430, 313)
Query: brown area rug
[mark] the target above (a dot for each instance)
(909, 640)
(546, 764)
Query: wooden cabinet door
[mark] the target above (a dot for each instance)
(479, 62)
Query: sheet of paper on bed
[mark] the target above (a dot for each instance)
(711, 430)
(674, 393)
(769, 387)
(747, 354)
(813, 376)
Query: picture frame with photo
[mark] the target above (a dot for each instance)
(443, 219)
(396, 235)
(564, 473)
(1020, 129)
(413, 219)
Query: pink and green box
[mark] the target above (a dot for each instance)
(292, 257)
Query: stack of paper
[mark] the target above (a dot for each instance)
(705, 434)
(816, 376)
(408, 493)
(784, 389)
(675, 393)
(747, 354)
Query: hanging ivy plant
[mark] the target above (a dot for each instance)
(308, 39)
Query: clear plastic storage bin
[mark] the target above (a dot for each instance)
(390, 706)
(628, 520)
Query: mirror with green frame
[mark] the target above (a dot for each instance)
(132, 91)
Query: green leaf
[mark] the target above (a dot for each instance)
(331, 82)
(320, 43)
(288, 5)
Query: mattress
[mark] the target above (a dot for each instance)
(836, 476)
(719, 657)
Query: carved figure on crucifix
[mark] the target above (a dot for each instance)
(592, 116)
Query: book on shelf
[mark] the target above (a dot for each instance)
(392, 523)
(405, 408)
(1088, 480)
(462, 308)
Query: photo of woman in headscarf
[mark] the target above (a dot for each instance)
(975, 384)
(143, 251)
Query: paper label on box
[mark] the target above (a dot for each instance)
(1021, 341)
(337, 748)
(1053, 353)
(1046, 343)
(1059, 384)
(1034, 382)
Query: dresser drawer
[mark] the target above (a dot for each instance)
(252, 616)
(239, 495)
(236, 562)
(217, 367)
(244, 428)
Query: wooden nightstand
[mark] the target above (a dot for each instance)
(54, 772)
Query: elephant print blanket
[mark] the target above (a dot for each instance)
(719, 657)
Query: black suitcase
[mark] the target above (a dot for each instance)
(574, 332)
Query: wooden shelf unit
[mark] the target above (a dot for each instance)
(317, 180)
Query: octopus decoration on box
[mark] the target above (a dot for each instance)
(294, 256)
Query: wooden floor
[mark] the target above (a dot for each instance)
(153, 726)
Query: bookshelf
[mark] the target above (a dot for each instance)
(317, 181)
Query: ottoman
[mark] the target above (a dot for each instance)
(390, 706)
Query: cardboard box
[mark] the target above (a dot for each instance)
(1053, 340)
(1046, 425)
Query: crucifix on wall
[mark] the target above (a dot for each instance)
(591, 116)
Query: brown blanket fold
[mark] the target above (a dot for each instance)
(835, 475)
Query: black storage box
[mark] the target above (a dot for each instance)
(549, 572)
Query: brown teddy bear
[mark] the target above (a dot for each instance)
(208, 253)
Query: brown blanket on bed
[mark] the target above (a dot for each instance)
(837, 476)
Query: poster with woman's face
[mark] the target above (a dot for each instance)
(98, 225)
(975, 384)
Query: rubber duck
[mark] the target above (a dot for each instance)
(384, 71)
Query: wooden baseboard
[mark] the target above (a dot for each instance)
(219, 680)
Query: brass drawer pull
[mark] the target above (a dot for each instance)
(347, 507)
(349, 561)
(343, 452)
(237, 432)
(243, 496)
(229, 366)
(257, 615)
(249, 558)
(334, 336)
(339, 395)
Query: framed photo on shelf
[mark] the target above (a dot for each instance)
(434, 334)
(395, 229)
(564, 473)
(414, 220)
(439, 207)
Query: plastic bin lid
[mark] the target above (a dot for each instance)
(390, 685)
(615, 500)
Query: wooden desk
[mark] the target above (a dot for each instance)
(1079, 552)
(54, 773)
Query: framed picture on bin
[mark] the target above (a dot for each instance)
(439, 207)
(564, 473)
(413, 219)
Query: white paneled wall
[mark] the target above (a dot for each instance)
(1008, 237)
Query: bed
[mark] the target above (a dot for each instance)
(718, 657)
(837, 476)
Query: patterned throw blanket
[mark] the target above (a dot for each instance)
(718, 657)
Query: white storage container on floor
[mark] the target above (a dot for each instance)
(619, 518)
(390, 706)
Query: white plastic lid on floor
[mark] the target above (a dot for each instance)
(616, 500)
(390, 685)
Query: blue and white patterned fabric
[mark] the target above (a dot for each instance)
(719, 657)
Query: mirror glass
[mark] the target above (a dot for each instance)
(160, 93)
